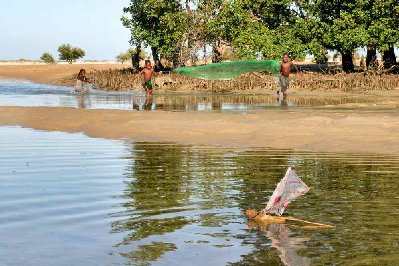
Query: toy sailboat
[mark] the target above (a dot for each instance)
(288, 189)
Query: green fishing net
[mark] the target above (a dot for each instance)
(229, 70)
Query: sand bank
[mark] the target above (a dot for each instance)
(51, 73)
(320, 131)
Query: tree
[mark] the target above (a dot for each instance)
(130, 54)
(122, 57)
(258, 28)
(332, 24)
(47, 58)
(382, 21)
(69, 53)
(157, 24)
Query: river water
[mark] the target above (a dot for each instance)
(67, 199)
(17, 93)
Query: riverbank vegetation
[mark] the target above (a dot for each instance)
(257, 83)
(188, 32)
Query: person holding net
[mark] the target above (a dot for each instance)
(285, 71)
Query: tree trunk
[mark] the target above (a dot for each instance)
(347, 62)
(216, 55)
(204, 52)
(371, 58)
(136, 59)
(176, 58)
(155, 57)
(389, 58)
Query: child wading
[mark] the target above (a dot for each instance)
(148, 72)
(285, 71)
(81, 81)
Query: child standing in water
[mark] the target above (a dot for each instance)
(148, 72)
(82, 76)
(81, 81)
(285, 71)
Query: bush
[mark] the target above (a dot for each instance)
(122, 57)
(47, 58)
(69, 53)
(129, 54)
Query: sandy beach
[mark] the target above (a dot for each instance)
(50, 73)
(323, 131)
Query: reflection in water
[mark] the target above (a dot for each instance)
(284, 103)
(286, 242)
(118, 203)
(83, 101)
(184, 198)
(30, 94)
(149, 103)
(154, 190)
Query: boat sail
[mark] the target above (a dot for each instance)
(288, 189)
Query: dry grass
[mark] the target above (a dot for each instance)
(122, 79)
(355, 82)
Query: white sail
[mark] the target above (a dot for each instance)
(288, 189)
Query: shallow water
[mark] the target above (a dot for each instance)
(19, 93)
(67, 199)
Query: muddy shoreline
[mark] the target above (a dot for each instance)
(305, 130)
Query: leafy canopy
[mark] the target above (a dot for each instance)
(156, 23)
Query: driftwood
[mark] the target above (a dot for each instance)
(263, 219)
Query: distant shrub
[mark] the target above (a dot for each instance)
(129, 54)
(122, 57)
(47, 58)
(69, 53)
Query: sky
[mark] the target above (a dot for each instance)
(28, 28)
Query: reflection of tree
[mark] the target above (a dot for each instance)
(149, 253)
(166, 182)
(156, 187)
(215, 102)
(347, 191)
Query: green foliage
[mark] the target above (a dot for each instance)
(133, 51)
(381, 18)
(69, 53)
(332, 25)
(47, 58)
(126, 56)
(258, 29)
(122, 57)
(263, 29)
(158, 24)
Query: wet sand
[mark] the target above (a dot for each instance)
(304, 130)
